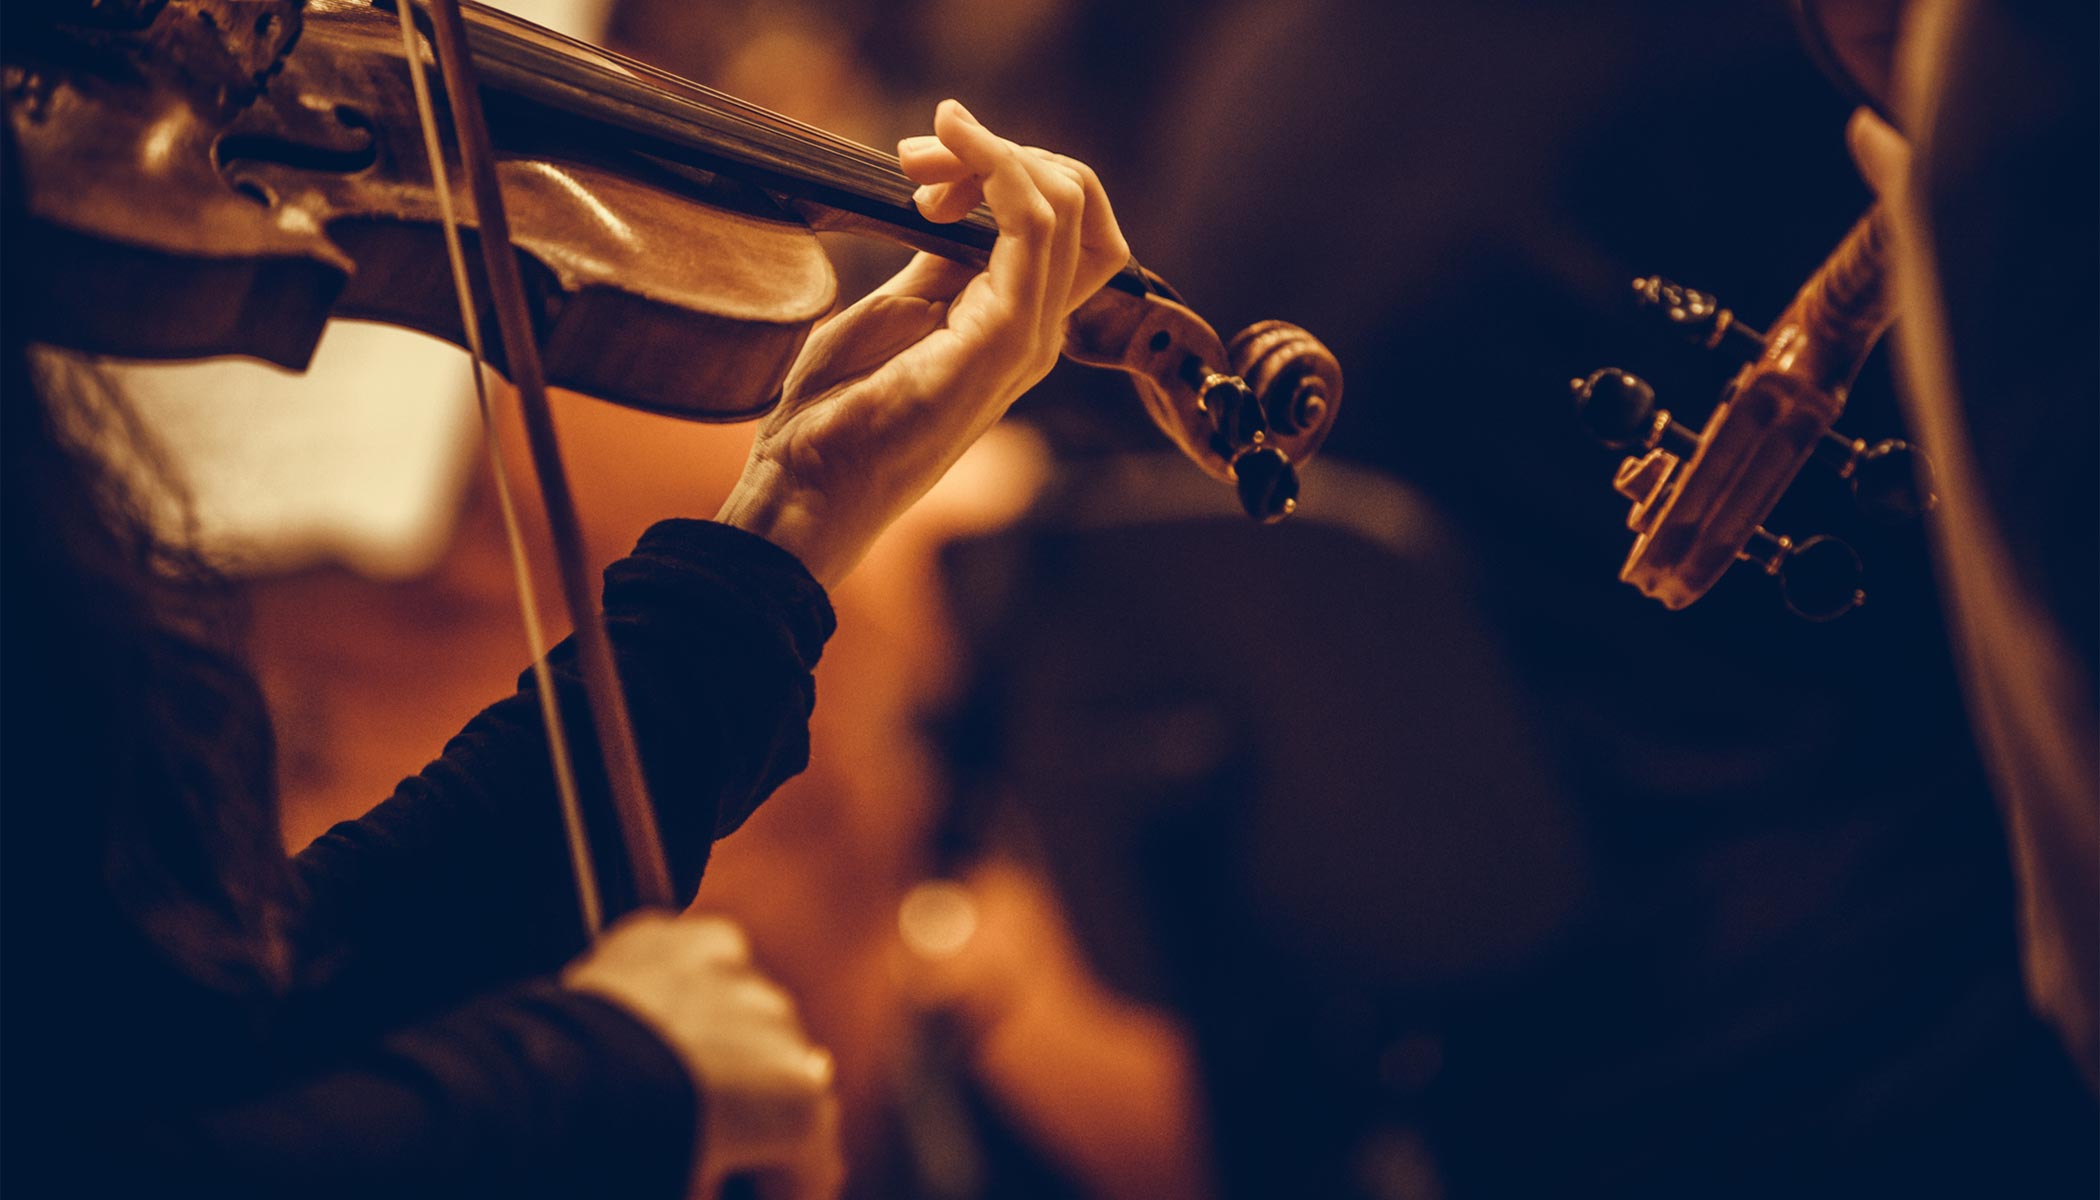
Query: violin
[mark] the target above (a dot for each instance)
(1699, 499)
(213, 177)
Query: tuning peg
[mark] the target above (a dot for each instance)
(1819, 578)
(1892, 479)
(1698, 317)
(1236, 418)
(1618, 408)
(1267, 483)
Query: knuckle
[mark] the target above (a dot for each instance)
(813, 1075)
(811, 1089)
(1063, 192)
(995, 154)
(796, 1084)
(1080, 173)
(1035, 217)
(721, 936)
(642, 929)
(768, 997)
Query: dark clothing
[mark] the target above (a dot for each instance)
(418, 1048)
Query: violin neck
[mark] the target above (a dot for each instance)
(829, 180)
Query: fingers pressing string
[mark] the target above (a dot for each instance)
(1018, 274)
(926, 160)
(950, 189)
(1061, 189)
(1105, 251)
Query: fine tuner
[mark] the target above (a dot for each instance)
(1700, 497)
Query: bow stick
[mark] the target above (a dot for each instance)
(648, 869)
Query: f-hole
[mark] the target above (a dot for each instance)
(337, 140)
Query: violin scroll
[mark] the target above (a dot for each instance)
(1700, 498)
(1293, 375)
(1819, 577)
(1248, 414)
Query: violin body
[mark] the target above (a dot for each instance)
(311, 197)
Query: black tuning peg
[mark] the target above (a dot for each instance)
(1892, 479)
(1618, 408)
(1240, 428)
(1267, 483)
(1236, 417)
(1819, 579)
(1698, 317)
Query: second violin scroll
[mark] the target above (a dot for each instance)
(1699, 498)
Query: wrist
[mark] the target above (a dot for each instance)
(764, 502)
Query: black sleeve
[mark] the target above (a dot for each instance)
(461, 881)
(536, 1092)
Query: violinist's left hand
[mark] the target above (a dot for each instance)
(888, 394)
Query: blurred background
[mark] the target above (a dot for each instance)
(1397, 852)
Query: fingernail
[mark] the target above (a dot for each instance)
(964, 113)
(923, 197)
(917, 142)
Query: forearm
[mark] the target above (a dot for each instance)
(462, 879)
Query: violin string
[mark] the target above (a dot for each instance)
(602, 85)
(588, 897)
(667, 110)
(672, 83)
(859, 168)
(716, 122)
(858, 171)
